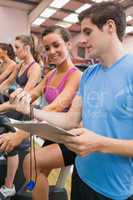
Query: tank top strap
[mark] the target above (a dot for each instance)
(32, 63)
(51, 76)
(22, 79)
(70, 71)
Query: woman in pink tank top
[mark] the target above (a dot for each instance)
(58, 88)
(51, 93)
(60, 85)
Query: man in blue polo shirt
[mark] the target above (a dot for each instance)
(104, 165)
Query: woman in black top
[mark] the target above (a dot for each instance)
(29, 75)
(29, 70)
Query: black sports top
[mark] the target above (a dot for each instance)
(22, 79)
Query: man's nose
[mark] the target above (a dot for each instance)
(83, 40)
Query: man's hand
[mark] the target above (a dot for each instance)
(9, 141)
(84, 142)
(21, 101)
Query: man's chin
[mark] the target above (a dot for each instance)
(91, 56)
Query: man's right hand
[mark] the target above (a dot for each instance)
(21, 101)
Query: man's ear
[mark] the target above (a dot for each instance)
(110, 26)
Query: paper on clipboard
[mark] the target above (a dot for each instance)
(42, 129)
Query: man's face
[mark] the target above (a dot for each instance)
(95, 40)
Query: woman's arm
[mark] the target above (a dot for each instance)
(34, 77)
(37, 91)
(40, 88)
(34, 94)
(64, 99)
(10, 78)
(5, 74)
(7, 71)
(6, 107)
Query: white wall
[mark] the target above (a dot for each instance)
(12, 23)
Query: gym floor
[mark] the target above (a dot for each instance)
(53, 177)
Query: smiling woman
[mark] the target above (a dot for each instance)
(58, 88)
(60, 84)
(57, 43)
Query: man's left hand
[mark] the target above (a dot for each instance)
(84, 141)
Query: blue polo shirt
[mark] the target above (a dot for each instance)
(107, 100)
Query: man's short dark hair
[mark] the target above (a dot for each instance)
(99, 13)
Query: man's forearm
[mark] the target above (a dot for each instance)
(63, 120)
(117, 146)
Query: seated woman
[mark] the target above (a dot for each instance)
(28, 76)
(8, 72)
(59, 88)
(8, 68)
(29, 71)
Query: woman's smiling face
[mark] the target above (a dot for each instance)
(56, 48)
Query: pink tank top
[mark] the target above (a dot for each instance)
(52, 92)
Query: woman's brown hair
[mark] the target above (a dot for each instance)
(29, 40)
(9, 49)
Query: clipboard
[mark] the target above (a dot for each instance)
(43, 129)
